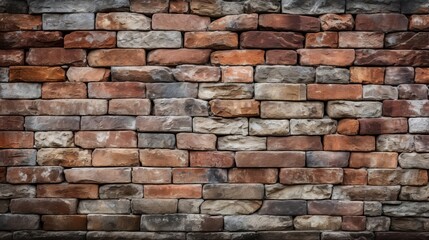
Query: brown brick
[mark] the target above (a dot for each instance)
(2, 174)
(349, 143)
(90, 39)
(361, 40)
(405, 108)
(321, 40)
(65, 190)
(28, 39)
(117, 57)
(98, 175)
(196, 141)
(72, 107)
(151, 175)
(164, 158)
(129, 106)
(35, 175)
(173, 191)
(422, 75)
(384, 22)
(179, 6)
(36, 74)
(19, 22)
(337, 57)
(337, 22)
(11, 57)
(44, 206)
(18, 222)
(16, 139)
(18, 157)
(64, 222)
(239, 22)
(56, 56)
(178, 56)
(419, 22)
(367, 75)
(63, 90)
(252, 175)
(238, 57)
(284, 159)
(116, 90)
(87, 74)
(98, 222)
(213, 40)
(332, 207)
(148, 6)
(268, 39)
(199, 175)
(289, 22)
(353, 223)
(385, 177)
(374, 160)
(334, 91)
(179, 22)
(115, 139)
(376, 126)
(234, 108)
(311, 175)
(108, 123)
(237, 74)
(295, 143)
(11, 123)
(348, 127)
(384, 57)
(217, 159)
(287, 57)
(355, 176)
(66, 157)
(115, 157)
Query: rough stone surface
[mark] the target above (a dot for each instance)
(286, 74)
(149, 40)
(71, 21)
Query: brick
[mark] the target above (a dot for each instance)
(395, 143)
(20, 90)
(257, 222)
(225, 90)
(252, 175)
(379, 92)
(378, 223)
(179, 22)
(151, 175)
(195, 141)
(237, 57)
(36, 74)
(355, 176)
(164, 158)
(114, 139)
(4, 74)
(309, 222)
(180, 107)
(333, 207)
(337, 22)
(279, 110)
(367, 193)
(349, 143)
(148, 7)
(407, 40)
(311, 8)
(115, 157)
(11, 57)
(413, 160)
(179, 6)
(391, 57)
(116, 57)
(113, 222)
(354, 223)
(406, 209)
(132, 235)
(54, 139)
(44, 206)
(283, 159)
(164, 124)
(240, 22)
(12, 222)
(65, 190)
(121, 206)
(409, 224)
(189, 205)
(334, 92)
(116, 90)
(418, 125)
(90, 39)
(64, 222)
(387, 177)
(51, 123)
(413, 91)
(287, 57)
(195, 73)
(283, 207)
(173, 90)
(348, 127)
(87, 74)
(421, 75)
(213, 40)
(16, 139)
(342, 109)
(199, 175)
(312, 127)
(19, 6)
(69, 21)
(65, 6)
(173, 191)
(378, 126)
(398, 75)
(327, 159)
(405, 108)
(172, 57)
(280, 91)
(234, 108)
(72, 107)
(18, 157)
(361, 40)
(233, 191)
(181, 222)
(34, 175)
(237, 74)
(149, 40)
(98, 175)
(66, 157)
(289, 22)
(20, 22)
(269, 39)
(239, 142)
(122, 21)
(363, 6)
(265, 127)
(154, 206)
(413, 193)
(294, 143)
(107, 123)
(321, 40)
(220, 126)
(218, 159)
(157, 140)
(64, 90)
(339, 57)
(277, 74)
(121, 191)
(419, 22)
(372, 208)
(9, 191)
(129, 106)
(229, 207)
(367, 75)
(311, 175)
(27, 39)
(384, 22)
(49, 234)
(374, 160)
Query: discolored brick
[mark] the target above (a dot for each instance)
(384, 22)
(90, 39)
(238, 57)
(98, 175)
(213, 40)
(114, 139)
(240, 22)
(289, 22)
(116, 57)
(65, 190)
(64, 222)
(172, 57)
(294, 143)
(64, 90)
(173, 191)
(321, 40)
(179, 22)
(151, 175)
(164, 158)
(115, 157)
(269, 39)
(311, 175)
(219, 159)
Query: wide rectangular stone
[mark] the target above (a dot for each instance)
(11, 222)
(121, 206)
(164, 158)
(110, 157)
(295, 143)
(56, 56)
(180, 107)
(407, 209)
(271, 39)
(44, 206)
(181, 223)
(386, 177)
(164, 123)
(149, 40)
(328, 74)
(101, 222)
(391, 57)
(213, 40)
(419, 125)
(373, 126)
(314, 222)
(221, 126)
(270, 159)
(115, 191)
(284, 74)
(52, 123)
(257, 223)
(18, 157)
(151, 175)
(333, 207)
(263, 127)
(307, 192)
(71, 107)
(312, 7)
(379, 92)
(405, 108)
(66, 157)
(156, 140)
(327, 159)
(374, 160)
(280, 91)
(196, 73)
(154, 206)
(20, 175)
(233, 191)
(117, 57)
(98, 175)
(10, 191)
(395, 143)
(108, 123)
(289, 22)
(341, 109)
(65, 190)
(366, 193)
(384, 22)
(230, 207)
(70, 21)
(278, 110)
(337, 142)
(122, 21)
(312, 126)
(311, 175)
(225, 91)
(20, 90)
(188, 191)
(54, 139)
(414, 160)
(172, 90)
(283, 207)
(412, 193)
(134, 107)
(101, 139)
(239, 142)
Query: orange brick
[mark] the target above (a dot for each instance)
(36, 74)
(348, 127)
(238, 57)
(321, 40)
(219, 159)
(117, 57)
(334, 91)
(19, 22)
(178, 56)
(334, 57)
(90, 39)
(237, 74)
(355, 177)
(164, 158)
(16, 139)
(367, 75)
(213, 40)
(374, 160)
(349, 143)
(234, 108)
(11, 57)
(422, 75)
(64, 90)
(173, 191)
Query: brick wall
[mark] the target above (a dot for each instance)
(212, 119)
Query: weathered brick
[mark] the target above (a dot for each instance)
(312, 7)
(116, 90)
(11, 57)
(195, 141)
(27, 39)
(413, 91)
(10, 6)
(11, 123)
(216, 8)
(52, 123)
(327, 159)
(419, 22)
(16, 139)
(312, 126)
(72, 107)
(108, 123)
(221, 126)
(64, 90)
(148, 7)
(20, 22)
(9, 191)
(230, 207)
(252, 175)
(87, 74)
(233, 191)
(337, 22)
(364, 6)
(283, 207)
(178, 6)
(355, 176)
(278, 110)
(34, 175)
(354, 223)
(179, 22)
(413, 160)
(156, 140)
(65, 190)
(276, 159)
(199, 175)
(405, 108)
(348, 127)
(268, 39)
(10, 222)
(213, 40)
(341, 109)
(361, 40)
(121, 206)
(64, 222)
(295, 143)
(116, 57)
(376, 126)
(237, 74)
(311, 175)
(114, 139)
(98, 175)
(90, 39)
(398, 75)
(189, 205)
(43, 206)
(334, 92)
(289, 22)
(238, 57)
(195, 73)
(69, 21)
(218, 159)
(265, 127)
(173, 191)
(36, 74)
(287, 57)
(129, 106)
(412, 193)
(422, 75)
(172, 57)
(4, 74)
(372, 208)
(122, 21)
(115, 157)
(113, 222)
(97, 235)
(181, 222)
(311, 222)
(225, 90)
(367, 75)
(20, 90)
(391, 57)
(164, 158)
(349, 143)
(387, 177)
(333, 207)
(257, 223)
(395, 143)
(180, 107)
(239, 142)
(79, 235)
(164, 124)
(280, 91)
(384, 22)
(339, 57)
(374, 160)
(18, 157)
(54, 139)
(367, 193)
(321, 40)
(151, 175)
(378, 223)
(234, 108)
(149, 40)
(128, 191)
(407, 40)
(406, 209)
(379, 92)
(66, 157)
(154, 206)
(240, 22)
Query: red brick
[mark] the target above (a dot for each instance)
(15, 139)
(64, 222)
(361, 40)
(34, 174)
(116, 90)
(11, 123)
(311, 175)
(392, 57)
(164, 158)
(289, 22)
(349, 143)
(11, 57)
(179, 56)
(337, 22)
(384, 22)
(64, 90)
(19, 22)
(28, 39)
(36, 74)
(238, 57)
(270, 159)
(268, 39)
(286, 57)
(374, 160)
(212, 159)
(295, 143)
(422, 75)
(334, 57)
(90, 39)
(237, 74)
(44, 206)
(419, 23)
(101, 139)
(65, 190)
(179, 22)
(213, 40)
(334, 91)
(199, 175)
(129, 106)
(353, 223)
(376, 126)
(321, 40)
(179, 6)
(56, 56)
(196, 141)
(367, 75)
(115, 157)
(151, 175)
(173, 191)
(406, 108)
(252, 175)
(355, 176)
(239, 22)
(117, 57)
(234, 108)
(348, 127)
(98, 175)
(332, 207)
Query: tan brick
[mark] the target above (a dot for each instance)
(115, 157)
(196, 141)
(151, 175)
(173, 191)
(164, 158)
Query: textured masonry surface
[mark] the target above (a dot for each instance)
(214, 119)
